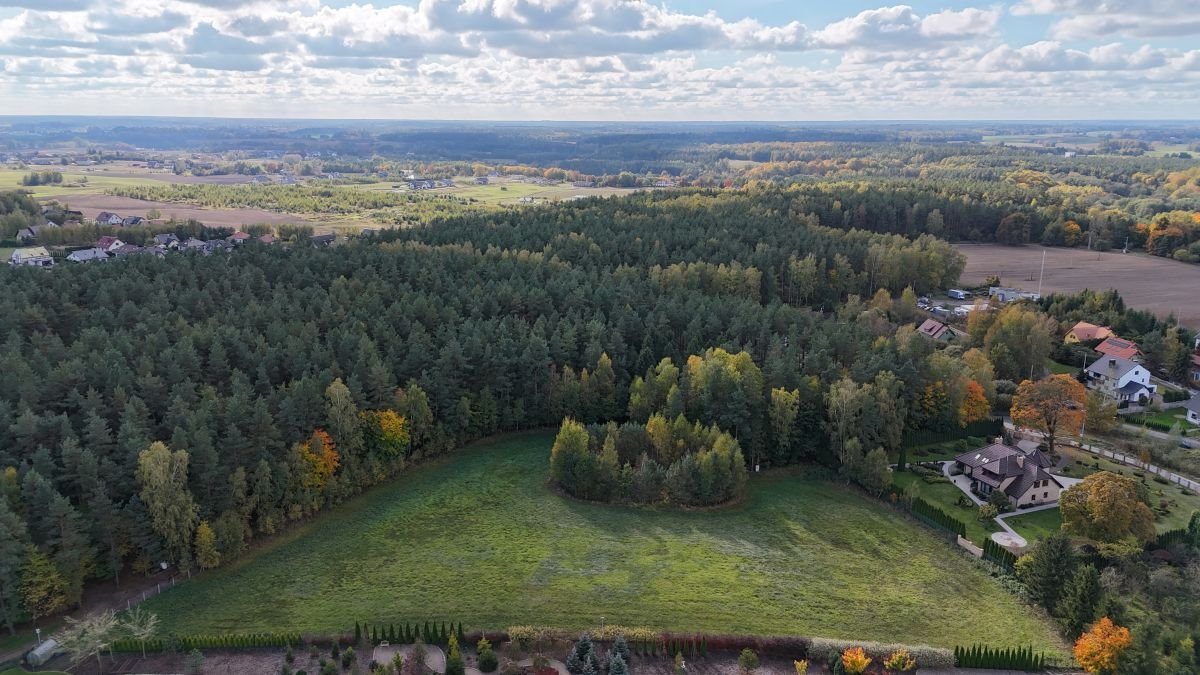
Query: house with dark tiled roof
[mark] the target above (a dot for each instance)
(1024, 476)
(1121, 379)
(1193, 410)
(932, 328)
(1121, 348)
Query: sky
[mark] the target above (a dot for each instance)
(619, 60)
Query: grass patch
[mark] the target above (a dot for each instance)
(1036, 525)
(478, 537)
(945, 496)
(25, 638)
(1057, 368)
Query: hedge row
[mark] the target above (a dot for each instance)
(190, 642)
(1169, 538)
(937, 517)
(999, 555)
(927, 657)
(429, 633)
(982, 656)
(981, 429)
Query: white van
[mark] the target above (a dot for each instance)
(958, 294)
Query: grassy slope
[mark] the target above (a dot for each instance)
(479, 538)
(945, 496)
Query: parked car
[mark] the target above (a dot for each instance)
(958, 294)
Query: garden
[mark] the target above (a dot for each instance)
(1172, 504)
(480, 537)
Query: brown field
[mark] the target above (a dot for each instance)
(1147, 282)
(91, 205)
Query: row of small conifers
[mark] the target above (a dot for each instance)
(642, 642)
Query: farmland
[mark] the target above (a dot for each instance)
(478, 537)
(1159, 285)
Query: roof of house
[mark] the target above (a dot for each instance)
(106, 241)
(1112, 366)
(1193, 404)
(1115, 346)
(933, 328)
(268, 238)
(1000, 461)
(323, 238)
(126, 249)
(1085, 331)
(30, 252)
(88, 254)
(1132, 388)
(165, 238)
(239, 236)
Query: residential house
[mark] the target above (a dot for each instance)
(132, 221)
(238, 237)
(125, 250)
(268, 238)
(584, 183)
(106, 218)
(320, 240)
(1194, 371)
(166, 240)
(1121, 379)
(664, 184)
(1004, 295)
(935, 329)
(1193, 410)
(1120, 348)
(192, 244)
(88, 255)
(1086, 332)
(34, 256)
(109, 243)
(1023, 476)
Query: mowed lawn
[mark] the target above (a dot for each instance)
(478, 537)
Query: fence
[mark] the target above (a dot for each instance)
(148, 593)
(1122, 458)
(980, 429)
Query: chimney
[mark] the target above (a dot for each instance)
(999, 440)
(1112, 363)
(1021, 460)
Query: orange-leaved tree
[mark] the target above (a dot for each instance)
(1053, 406)
(1099, 650)
(320, 453)
(974, 406)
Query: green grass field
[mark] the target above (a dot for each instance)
(945, 496)
(74, 183)
(1036, 525)
(478, 537)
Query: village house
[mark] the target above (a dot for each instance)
(106, 218)
(268, 238)
(1193, 410)
(1023, 476)
(932, 328)
(109, 243)
(132, 221)
(320, 240)
(166, 240)
(1120, 348)
(1121, 379)
(1086, 332)
(238, 237)
(28, 234)
(34, 256)
(88, 255)
(1194, 371)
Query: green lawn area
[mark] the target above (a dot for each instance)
(479, 538)
(945, 496)
(74, 182)
(1179, 506)
(1036, 525)
(1060, 368)
(1169, 417)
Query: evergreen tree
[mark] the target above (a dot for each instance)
(1080, 599)
(1047, 568)
(13, 540)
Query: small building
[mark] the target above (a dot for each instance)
(1023, 476)
(1120, 348)
(932, 328)
(958, 294)
(1121, 379)
(132, 221)
(664, 184)
(166, 240)
(268, 238)
(33, 256)
(192, 244)
(322, 240)
(1194, 371)
(238, 237)
(88, 255)
(125, 250)
(584, 183)
(1004, 295)
(1087, 332)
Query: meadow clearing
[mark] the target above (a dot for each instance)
(478, 537)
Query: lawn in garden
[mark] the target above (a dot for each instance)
(1173, 504)
(945, 496)
(479, 537)
(1036, 525)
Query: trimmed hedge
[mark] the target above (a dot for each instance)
(927, 657)
(982, 656)
(190, 642)
(995, 553)
(938, 518)
(981, 428)
(435, 633)
(1168, 538)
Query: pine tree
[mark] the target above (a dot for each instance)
(454, 659)
(1047, 568)
(621, 648)
(617, 666)
(1080, 599)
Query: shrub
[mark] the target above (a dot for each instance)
(195, 662)
(927, 657)
(855, 661)
(801, 667)
(621, 648)
(454, 660)
(487, 657)
(747, 660)
(900, 661)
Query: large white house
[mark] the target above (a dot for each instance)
(1121, 379)
(34, 256)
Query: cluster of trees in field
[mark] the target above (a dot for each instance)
(177, 409)
(35, 178)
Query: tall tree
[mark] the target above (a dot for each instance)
(1108, 508)
(162, 475)
(1054, 406)
(13, 540)
(1046, 568)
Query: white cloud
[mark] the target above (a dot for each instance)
(1085, 19)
